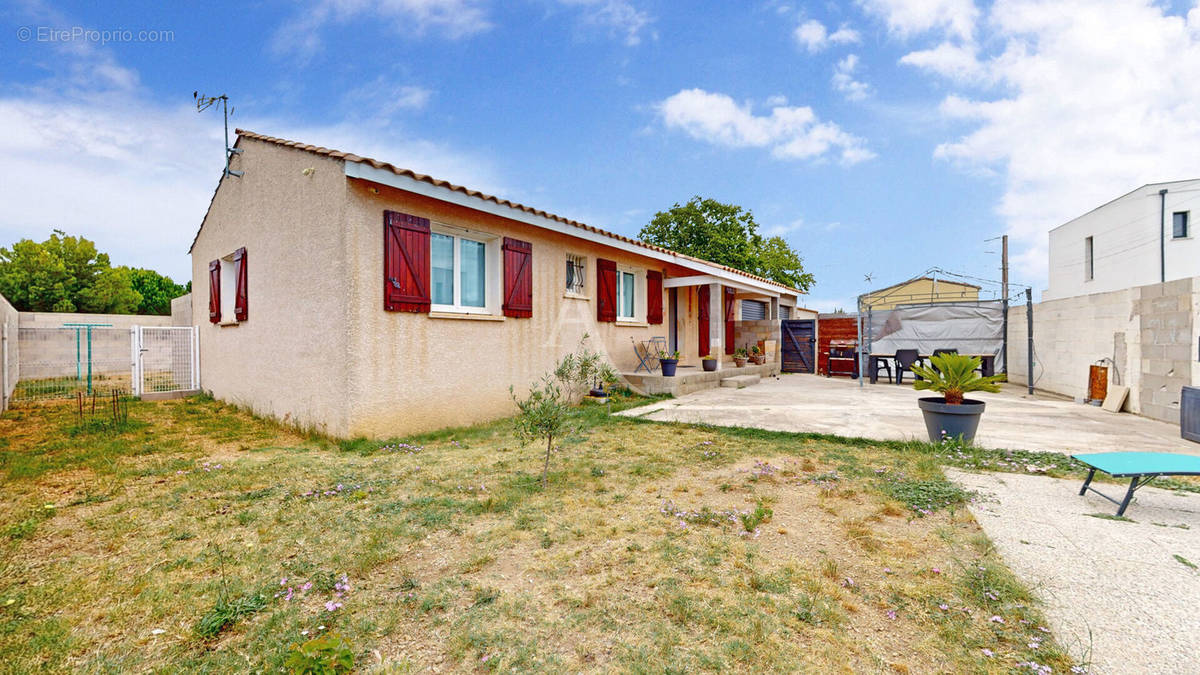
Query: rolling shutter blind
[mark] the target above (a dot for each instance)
(754, 310)
(785, 312)
(606, 290)
(654, 297)
(518, 278)
(405, 262)
(214, 291)
(241, 296)
(702, 295)
(730, 304)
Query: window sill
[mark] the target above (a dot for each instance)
(576, 296)
(632, 324)
(223, 324)
(466, 317)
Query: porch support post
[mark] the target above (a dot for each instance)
(716, 321)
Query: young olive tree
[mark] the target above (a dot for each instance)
(543, 416)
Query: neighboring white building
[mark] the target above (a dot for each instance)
(1144, 237)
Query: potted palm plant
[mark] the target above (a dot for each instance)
(740, 357)
(950, 415)
(669, 362)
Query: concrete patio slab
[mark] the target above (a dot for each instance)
(1114, 592)
(1013, 419)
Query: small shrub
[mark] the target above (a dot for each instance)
(926, 496)
(761, 514)
(328, 654)
(227, 612)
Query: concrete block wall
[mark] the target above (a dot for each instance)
(1168, 350)
(1150, 333)
(747, 333)
(181, 311)
(11, 365)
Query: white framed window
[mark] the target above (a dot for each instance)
(1089, 260)
(627, 295)
(464, 271)
(1180, 225)
(576, 275)
(228, 290)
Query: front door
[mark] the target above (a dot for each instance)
(799, 341)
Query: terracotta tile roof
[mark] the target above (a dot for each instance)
(350, 157)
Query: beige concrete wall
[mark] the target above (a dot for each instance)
(413, 372)
(57, 319)
(10, 351)
(919, 291)
(289, 360)
(181, 311)
(1149, 332)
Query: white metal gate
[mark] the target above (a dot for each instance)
(165, 359)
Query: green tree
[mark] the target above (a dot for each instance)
(726, 234)
(157, 291)
(64, 274)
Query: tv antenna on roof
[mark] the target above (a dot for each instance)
(868, 277)
(204, 103)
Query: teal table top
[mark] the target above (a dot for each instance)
(1143, 463)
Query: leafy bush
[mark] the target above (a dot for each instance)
(328, 654)
(953, 375)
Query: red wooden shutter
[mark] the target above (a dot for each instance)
(214, 291)
(518, 278)
(654, 297)
(241, 297)
(730, 303)
(606, 290)
(405, 262)
(702, 298)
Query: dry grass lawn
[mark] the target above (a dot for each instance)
(198, 538)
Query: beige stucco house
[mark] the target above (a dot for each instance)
(353, 297)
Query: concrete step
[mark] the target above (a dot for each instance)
(740, 381)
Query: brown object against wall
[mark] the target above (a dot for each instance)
(1097, 383)
(833, 328)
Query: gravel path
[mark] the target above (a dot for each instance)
(1122, 595)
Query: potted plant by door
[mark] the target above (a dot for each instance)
(709, 362)
(740, 357)
(950, 415)
(757, 355)
(669, 363)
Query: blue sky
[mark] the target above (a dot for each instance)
(880, 137)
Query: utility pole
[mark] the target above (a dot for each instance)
(1004, 297)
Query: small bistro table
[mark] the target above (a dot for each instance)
(987, 365)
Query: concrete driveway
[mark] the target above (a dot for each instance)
(884, 411)
(1120, 595)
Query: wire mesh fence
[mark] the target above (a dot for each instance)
(58, 362)
(63, 363)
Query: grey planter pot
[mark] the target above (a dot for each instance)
(709, 365)
(954, 420)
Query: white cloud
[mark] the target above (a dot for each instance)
(1097, 98)
(301, 35)
(136, 178)
(617, 16)
(381, 99)
(956, 62)
(907, 18)
(844, 82)
(790, 132)
(813, 36)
